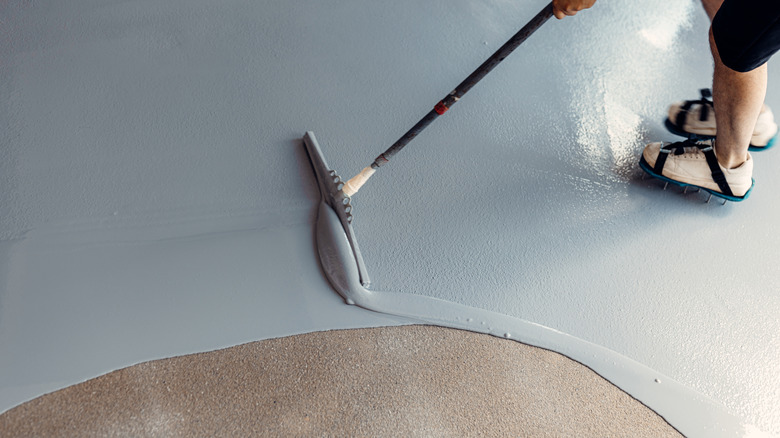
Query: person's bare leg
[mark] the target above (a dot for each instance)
(711, 7)
(738, 98)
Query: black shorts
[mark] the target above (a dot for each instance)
(747, 32)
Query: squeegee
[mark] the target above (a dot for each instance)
(338, 250)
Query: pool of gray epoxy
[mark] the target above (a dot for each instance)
(525, 199)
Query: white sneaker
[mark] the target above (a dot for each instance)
(696, 119)
(692, 163)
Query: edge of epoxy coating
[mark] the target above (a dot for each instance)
(691, 413)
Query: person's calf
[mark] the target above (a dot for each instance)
(737, 98)
(711, 7)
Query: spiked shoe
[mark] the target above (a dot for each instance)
(695, 119)
(694, 164)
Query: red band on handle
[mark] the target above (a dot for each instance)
(440, 108)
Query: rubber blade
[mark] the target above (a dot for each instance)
(334, 199)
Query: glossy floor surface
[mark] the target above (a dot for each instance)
(156, 199)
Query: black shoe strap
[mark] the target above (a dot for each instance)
(704, 102)
(678, 148)
(717, 173)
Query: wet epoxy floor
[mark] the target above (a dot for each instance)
(156, 199)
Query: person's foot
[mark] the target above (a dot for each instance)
(690, 163)
(696, 119)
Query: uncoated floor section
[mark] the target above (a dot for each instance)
(396, 381)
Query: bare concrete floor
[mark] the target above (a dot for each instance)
(393, 381)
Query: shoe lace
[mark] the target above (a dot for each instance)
(688, 147)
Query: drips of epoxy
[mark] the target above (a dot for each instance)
(182, 117)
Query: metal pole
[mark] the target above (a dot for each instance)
(452, 98)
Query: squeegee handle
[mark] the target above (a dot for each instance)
(466, 85)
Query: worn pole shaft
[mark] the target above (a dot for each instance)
(452, 98)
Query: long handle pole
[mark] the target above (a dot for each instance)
(352, 186)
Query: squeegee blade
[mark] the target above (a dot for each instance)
(332, 194)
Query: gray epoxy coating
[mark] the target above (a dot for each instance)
(156, 199)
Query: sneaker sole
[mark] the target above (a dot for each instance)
(671, 127)
(649, 169)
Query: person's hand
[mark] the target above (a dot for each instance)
(562, 8)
